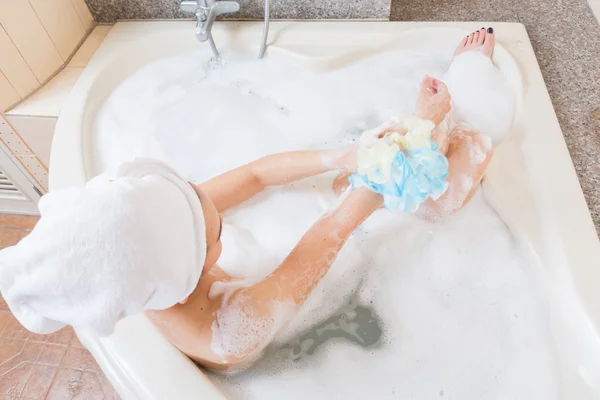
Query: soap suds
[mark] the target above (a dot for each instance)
(446, 293)
(239, 332)
(479, 96)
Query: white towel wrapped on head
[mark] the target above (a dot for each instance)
(107, 250)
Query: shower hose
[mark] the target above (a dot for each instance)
(265, 35)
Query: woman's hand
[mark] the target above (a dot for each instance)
(345, 158)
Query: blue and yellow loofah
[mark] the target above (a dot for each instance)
(405, 169)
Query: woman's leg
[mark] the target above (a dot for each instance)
(481, 94)
(468, 151)
(469, 154)
(433, 104)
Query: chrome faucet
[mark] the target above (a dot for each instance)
(207, 11)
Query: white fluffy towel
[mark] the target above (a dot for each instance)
(108, 250)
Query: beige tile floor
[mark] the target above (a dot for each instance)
(43, 367)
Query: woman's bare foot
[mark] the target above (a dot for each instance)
(482, 40)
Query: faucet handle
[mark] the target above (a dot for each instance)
(189, 6)
(225, 6)
(220, 6)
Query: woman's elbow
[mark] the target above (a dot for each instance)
(242, 331)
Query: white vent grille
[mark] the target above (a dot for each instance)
(8, 190)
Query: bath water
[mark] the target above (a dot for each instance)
(410, 309)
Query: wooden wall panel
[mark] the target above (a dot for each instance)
(37, 37)
(85, 16)
(15, 68)
(8, 95)
(61, 22)
(26, 31)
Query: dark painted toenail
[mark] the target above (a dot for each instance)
(483, 29)
(490, 30)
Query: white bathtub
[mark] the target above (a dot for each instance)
(544, 206)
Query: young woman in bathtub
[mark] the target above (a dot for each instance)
(225, 331)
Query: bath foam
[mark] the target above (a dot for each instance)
(462, 311)
(479, 97)
(463, 316)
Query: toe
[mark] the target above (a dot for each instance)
(489, 42)
(476, 37)
(481, 38)
(461, 46)
(471, 36)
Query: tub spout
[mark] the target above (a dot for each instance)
(207, 11)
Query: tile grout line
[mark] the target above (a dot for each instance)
(57, 371)
(13, 88)
(33, 363)
(58, 71)
(4, 327)
(23, 58)
(16, 355)
(58, 368)
(79, 17)
(45, 30)
(16, 366)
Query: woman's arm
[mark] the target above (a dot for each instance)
(236, 186)
(248, 318)
(225, 330)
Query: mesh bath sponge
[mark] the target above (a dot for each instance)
(404, 166)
